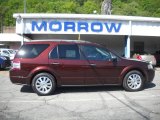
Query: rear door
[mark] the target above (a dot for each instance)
(65, 60)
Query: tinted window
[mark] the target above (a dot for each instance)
(31, 50)
(11, 51)
(5, 52)
(95, 53)
(54, 54)
(68, 52)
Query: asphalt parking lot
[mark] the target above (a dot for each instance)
(79, 103)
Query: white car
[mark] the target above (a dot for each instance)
(7, 52)
(146, 57)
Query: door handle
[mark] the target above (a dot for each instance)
(55, 63)
(92, 64)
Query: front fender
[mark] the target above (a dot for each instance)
(130, 68)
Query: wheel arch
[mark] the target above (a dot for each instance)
(36, 72)
(126, 71)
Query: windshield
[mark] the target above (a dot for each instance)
(11, 51)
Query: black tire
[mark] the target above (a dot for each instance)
(133, 81)
(44, 84)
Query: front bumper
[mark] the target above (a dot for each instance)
(150, 75)
(6, 63)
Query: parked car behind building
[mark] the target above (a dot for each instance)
(4, 62)
(146, 57)
(7, 52)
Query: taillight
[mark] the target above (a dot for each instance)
(16, 65)
(139, 57)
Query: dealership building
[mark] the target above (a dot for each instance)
(123, 34)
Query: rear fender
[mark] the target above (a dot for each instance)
(41, 69)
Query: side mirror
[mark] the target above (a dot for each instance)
(114, 59)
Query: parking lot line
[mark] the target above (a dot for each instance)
(78, 100)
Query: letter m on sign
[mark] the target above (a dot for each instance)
(39, 26)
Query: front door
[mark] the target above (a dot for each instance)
(103, 67)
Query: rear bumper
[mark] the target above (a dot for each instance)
(19, 79)
(5, 64)
(8, 63)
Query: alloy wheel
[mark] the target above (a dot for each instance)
(43, 84)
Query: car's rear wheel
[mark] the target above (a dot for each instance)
(133, 81)
(43, 84)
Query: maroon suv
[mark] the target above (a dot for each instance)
(46, 65)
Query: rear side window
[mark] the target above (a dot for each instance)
(31, 50)
(68, 52)
(54, 53)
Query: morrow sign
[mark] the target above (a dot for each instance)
(76, 26)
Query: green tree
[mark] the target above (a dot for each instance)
(89, 6)
(150, 8)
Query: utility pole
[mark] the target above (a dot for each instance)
(25, 6)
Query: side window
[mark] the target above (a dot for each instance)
(6, 52)
(31, 50)
(95, 53)
(54, 53)
(68, 52)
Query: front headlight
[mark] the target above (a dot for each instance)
(150, 66)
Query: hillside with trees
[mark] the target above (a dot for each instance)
(149, 8)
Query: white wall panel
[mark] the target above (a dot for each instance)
(145, 28)
(86, 24)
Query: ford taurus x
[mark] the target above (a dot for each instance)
(46, 65)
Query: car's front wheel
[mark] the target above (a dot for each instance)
(133, 81)
(43, 84)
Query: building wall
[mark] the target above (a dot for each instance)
(151, 44)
